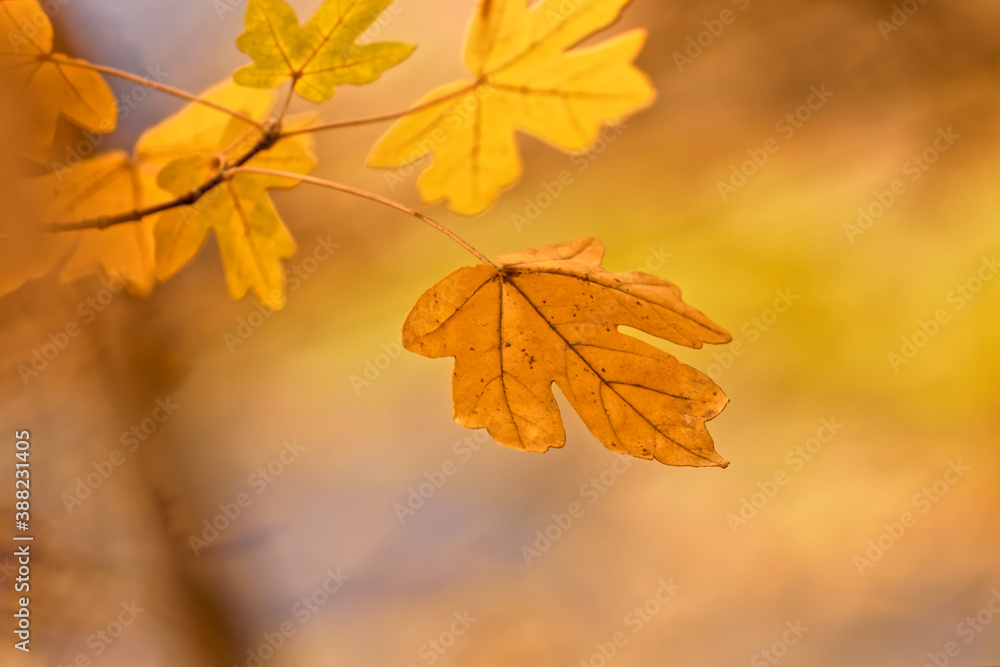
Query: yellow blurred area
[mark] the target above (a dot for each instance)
(862, 501)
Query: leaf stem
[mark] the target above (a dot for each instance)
(150, 83)
(373, 197)
(366, 120)
(288, 102)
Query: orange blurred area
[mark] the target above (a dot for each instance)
(822, 185)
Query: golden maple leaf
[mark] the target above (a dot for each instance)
(321, 54)
(550, 314)
(52, 86)
(529, 78)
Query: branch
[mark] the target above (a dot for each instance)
(150, 83)
(270, 138)
(134, 215)
(272, 135)
(352, 122)
(368, 195)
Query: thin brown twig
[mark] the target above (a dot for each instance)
(103, 222)
(366, 120)
(134, 215)
(373, 197)
(177, 92)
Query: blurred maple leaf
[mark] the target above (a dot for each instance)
(321, 54)
(252, 238)
(53, 86)
(526, 79)
(107, 183)
(550, 314)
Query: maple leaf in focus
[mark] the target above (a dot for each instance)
(550, 314)
(51, 85)
(252, 238)
(528, 77)
(321, 54)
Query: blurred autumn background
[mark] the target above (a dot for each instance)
(752, 557)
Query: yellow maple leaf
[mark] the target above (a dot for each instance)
(51, 86)
(550, 314)
(528, 77)
(321, 54)
(252, 238)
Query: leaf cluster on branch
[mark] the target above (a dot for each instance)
(516, 325)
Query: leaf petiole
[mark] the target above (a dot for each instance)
(367, 120)
(150, 83)
(373, 197)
